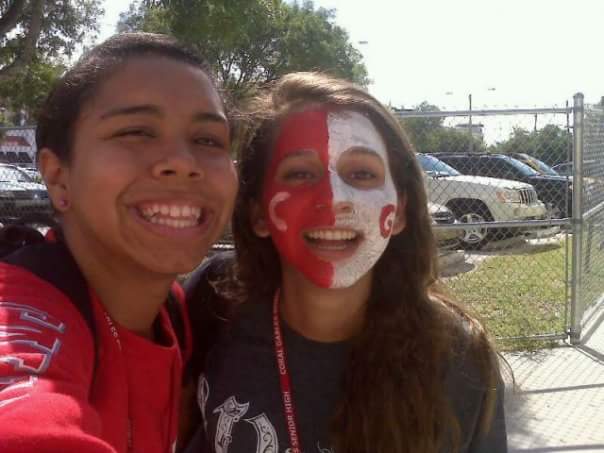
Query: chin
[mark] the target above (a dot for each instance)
(174, 265)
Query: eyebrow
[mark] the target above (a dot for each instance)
(149, 109)
(363, 150)
(146, 109)
(300, 153)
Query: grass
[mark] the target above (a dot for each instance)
(517, 295)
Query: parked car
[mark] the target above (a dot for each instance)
(33, 173)
(564, 169)
(535, 163)
(554, 191)
(20, 196)
(593, 189)
(446, 238)
(480, 199)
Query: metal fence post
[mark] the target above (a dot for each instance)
(576, 307)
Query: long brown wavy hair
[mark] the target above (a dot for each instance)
(394, 398)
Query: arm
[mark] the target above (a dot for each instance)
(483, 428)
(494, 438)
(46, 366)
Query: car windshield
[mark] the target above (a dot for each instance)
(11, 174)
(432, 165)
(540, 166)
(526, 170)
(564, 169)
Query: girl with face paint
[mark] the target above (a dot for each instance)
(327, 332)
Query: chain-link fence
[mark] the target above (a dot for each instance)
(23, 197)
(589, 267)
(492, 169)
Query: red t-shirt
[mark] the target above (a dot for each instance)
(51, 397)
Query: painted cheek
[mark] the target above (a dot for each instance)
(387, 220)
(291, 210)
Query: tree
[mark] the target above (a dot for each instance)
(550, 144)
(42, 29)
(430, 135)
(252, 42)
(35, 35)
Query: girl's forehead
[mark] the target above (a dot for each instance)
(328, 130)
(156, 80)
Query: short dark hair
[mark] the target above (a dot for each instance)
(56, 118)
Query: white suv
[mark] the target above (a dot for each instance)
(482, 199)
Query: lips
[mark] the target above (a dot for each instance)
(182, 214)
(332, 239)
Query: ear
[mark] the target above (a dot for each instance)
(400, 220)
(258, 221)
(55, 174)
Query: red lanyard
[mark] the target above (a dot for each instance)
(288, 402)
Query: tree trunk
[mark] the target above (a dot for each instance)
(10, 19)
(28, 51)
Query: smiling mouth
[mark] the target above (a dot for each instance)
(332, 239)
(174, 215)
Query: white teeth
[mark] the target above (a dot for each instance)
(332, 235)
(174, 215)
(173, 223)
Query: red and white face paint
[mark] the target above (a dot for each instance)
(322, 223)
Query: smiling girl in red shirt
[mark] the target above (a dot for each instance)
(134, 147)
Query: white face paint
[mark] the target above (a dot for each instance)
(373, 210)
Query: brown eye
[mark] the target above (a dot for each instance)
(299, 176)
(210, 142)
(134, 132)
(362, 175)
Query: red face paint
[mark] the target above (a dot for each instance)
(314, 211)
(292, 210)
(387, 220)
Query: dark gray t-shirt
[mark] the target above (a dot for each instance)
(241, 402)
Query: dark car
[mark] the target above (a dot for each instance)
(554, 191)
(21, 198)
(564, 169)
(537, 164)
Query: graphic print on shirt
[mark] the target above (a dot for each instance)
(267, 436)
(230, 413)
(35, 357)
(203, 393)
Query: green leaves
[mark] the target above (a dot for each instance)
(429, 135)
(252, 42)
(550, 144)
(34, 42)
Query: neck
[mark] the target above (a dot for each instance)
(131, 295)
(319, 314)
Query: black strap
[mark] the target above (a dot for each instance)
(209, 313)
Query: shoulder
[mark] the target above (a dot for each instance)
(43, 337)
(473, 384)
(211, 269)
(208, 311)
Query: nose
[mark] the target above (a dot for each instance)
(177, 161)
(343, 207)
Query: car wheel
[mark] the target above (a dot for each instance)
(474, 237)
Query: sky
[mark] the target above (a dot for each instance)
(506, 53)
